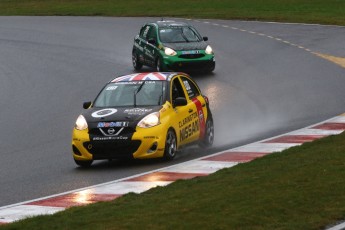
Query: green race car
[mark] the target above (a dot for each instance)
(172, 46)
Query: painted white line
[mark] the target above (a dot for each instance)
(124, 187)
(206, 167)
(24, 211)
(265, 147)
(338, 227)
(340, 119)
(316, 132)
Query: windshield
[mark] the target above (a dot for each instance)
(132, 93)
(179, 34)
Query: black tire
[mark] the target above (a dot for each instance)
(212, 68)
(159, 65)
(135, 61)
(84, 164)
(209, 134)
(170, 145)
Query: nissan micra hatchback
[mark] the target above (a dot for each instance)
(143, 115)
(172, 46)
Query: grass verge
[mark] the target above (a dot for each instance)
(300, 188)
(316, 11)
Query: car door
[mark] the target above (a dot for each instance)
(140, 43)
(150, 49)
(187, 117)
(198, 104)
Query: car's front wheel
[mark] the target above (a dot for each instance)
(170, 145)
(208, 139)
(84, 164)
(136, 63)
(159, 65)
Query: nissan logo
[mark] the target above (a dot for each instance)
(111, 131)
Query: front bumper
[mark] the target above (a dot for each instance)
(143, 144)
(206, 63)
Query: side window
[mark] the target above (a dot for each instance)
(176, 90)
(191, 88)
(144, 31)
(152, 33)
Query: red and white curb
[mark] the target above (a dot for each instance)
(164, 176)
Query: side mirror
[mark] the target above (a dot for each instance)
(205, 38)
(152, 41)
(87, 105)
(180, 101)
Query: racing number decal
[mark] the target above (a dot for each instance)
(201, 116)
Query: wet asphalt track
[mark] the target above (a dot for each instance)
(267, 81)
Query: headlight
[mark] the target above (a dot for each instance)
(150, 120)
(81, 123)
(209, 50)
(169, 51)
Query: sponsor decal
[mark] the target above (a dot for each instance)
(146, 31)
(186, 84)
(201, 117)
(190, 52)
(112, 124)
(150, 137)
(111, 87)
(149, 53)
(188, 119)
(137, 111)
(103, 113)
(138, 47)
(111, 131)
(188, 88)
(189, 130)
(109, 138)
(188, 126)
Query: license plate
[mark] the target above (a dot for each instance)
(190, 52)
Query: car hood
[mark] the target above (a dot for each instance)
(128, 115)
(186, 46)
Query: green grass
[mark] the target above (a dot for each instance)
(300, 188)
(309, 11)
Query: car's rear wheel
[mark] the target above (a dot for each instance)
(170, 145)
(208, 139)
(136, 63)
(84, 164)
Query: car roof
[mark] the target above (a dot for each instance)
(170, 23)
(150, 76)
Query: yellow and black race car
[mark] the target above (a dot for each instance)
(143, 115)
